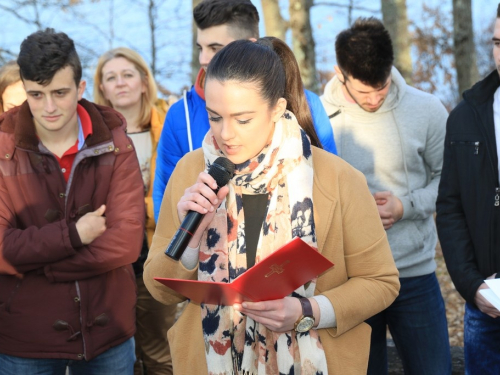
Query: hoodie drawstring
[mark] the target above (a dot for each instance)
(404, 159)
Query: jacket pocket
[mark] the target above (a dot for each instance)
(406, 240)
(127, 269)
(348, 353)
(471, 161)
(474, 146)
(9, 294)
(187, 346)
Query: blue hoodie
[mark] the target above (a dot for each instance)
(174, 139)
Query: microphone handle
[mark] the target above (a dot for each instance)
(183, 235)
(185, 232)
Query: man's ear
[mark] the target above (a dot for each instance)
(279, 109)
(339, 73)
(81, 88)
(252, 39)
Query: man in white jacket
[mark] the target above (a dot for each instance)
(394, 134)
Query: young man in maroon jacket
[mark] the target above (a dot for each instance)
(71, 223)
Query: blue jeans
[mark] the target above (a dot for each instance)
(118, 360)
(481, 342)
(417, 322)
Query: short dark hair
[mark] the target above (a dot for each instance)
(44, 53)
(364, 51)
(240, 15)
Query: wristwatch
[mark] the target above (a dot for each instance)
(306, 321)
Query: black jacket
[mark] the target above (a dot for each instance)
(468, 204)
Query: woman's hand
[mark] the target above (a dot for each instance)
(279, 315)
(201, 198)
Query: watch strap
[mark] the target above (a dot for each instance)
(307, 309)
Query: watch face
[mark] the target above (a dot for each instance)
(305, 324)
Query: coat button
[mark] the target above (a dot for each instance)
(117, 149)
(80, 356)
(96, 151)
(110, 148)
(7, 156)
(61, 195)
(101, 320)
(129, 146)
(77, 299)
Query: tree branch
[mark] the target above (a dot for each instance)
(324, 3)
(18, 15)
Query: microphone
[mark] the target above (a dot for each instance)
(222, 170)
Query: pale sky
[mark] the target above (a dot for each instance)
(95, 30)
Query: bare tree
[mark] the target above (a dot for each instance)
(485, 61)
(153, 16)
(463, 43)
(303, 41)
(435, 67)
(396, 22)
(16, 10)
(31, 13)
(274, 23)
(6, 55)
(111, 23)
(351, 7)
(195, 62)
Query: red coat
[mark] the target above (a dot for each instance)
(73, 301)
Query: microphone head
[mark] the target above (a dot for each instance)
(222, 170)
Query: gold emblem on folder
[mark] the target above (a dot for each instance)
(277, 269)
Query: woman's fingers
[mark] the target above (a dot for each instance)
(278, 315)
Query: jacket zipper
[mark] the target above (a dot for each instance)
(495, 170)
(476, 145)
(81, 319)
(334, 114)
(492, 255)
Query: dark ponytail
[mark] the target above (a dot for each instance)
(271, 65)
(294, 92)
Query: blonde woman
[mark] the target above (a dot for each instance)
(12, 91)
(124, 82)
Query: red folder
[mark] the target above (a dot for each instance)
(274, 277)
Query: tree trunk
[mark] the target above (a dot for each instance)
(396, 22)
(463, 45)
(303, 42)
(273, 21)
(195, 62)
(152, 16)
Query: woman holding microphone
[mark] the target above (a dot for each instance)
(282, 187)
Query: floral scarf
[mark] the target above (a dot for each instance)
(234, 343)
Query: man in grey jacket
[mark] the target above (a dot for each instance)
(394, 134)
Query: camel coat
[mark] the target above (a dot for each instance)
(363, 282)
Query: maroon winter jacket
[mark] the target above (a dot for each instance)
(73, 301)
